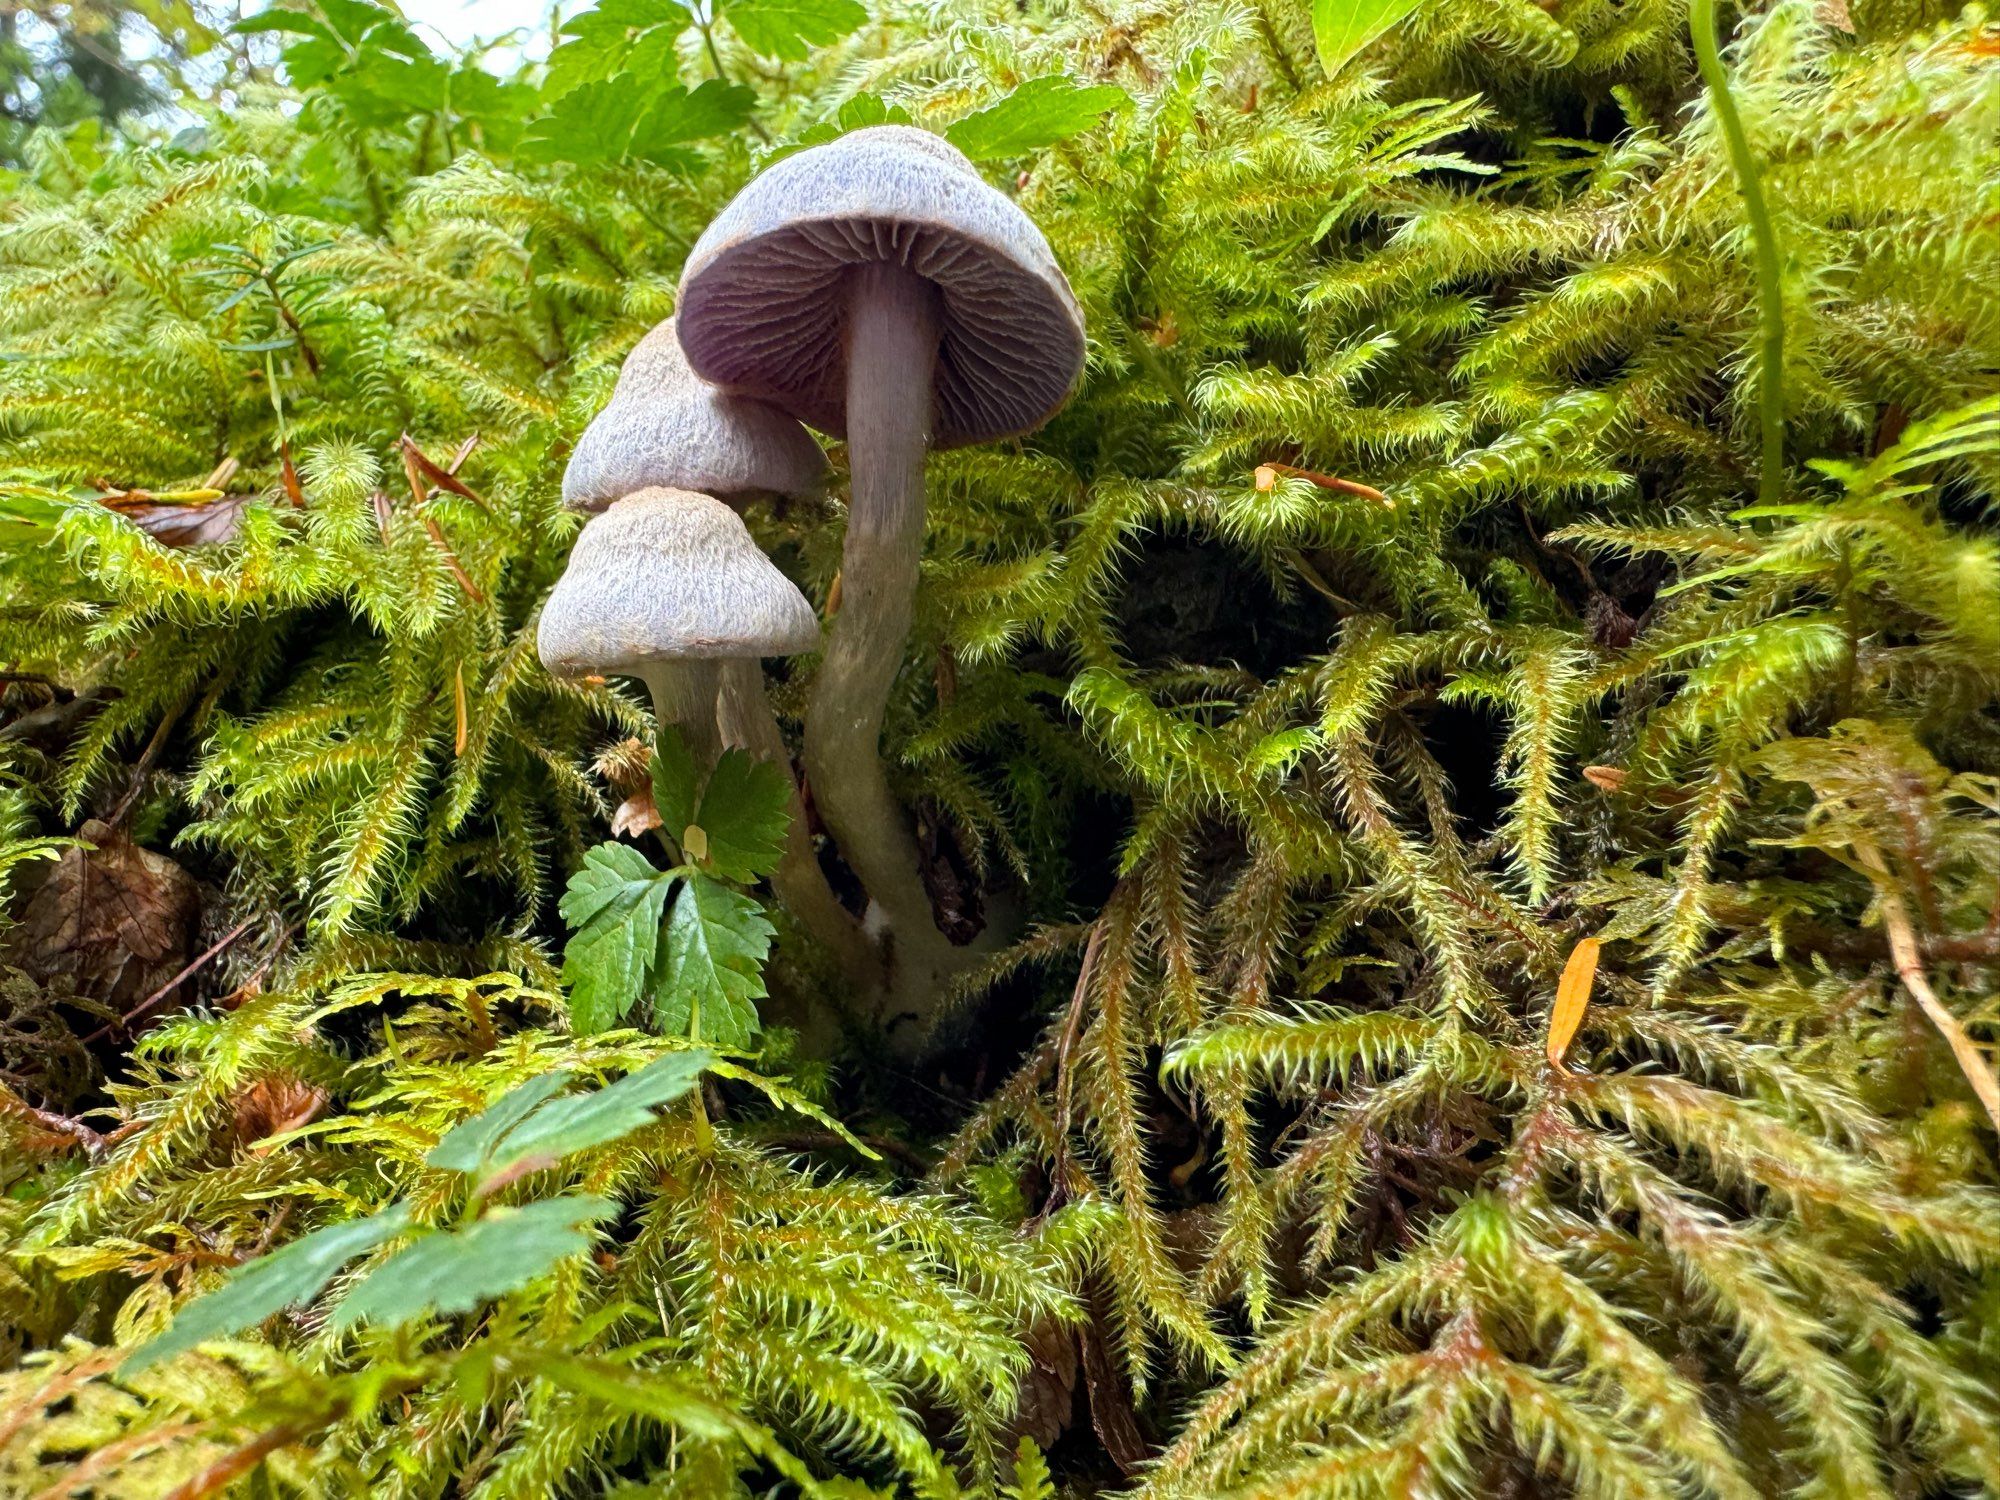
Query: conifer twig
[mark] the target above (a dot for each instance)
(1910, 968)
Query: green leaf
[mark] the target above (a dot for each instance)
(630, 39)
(745, 809)
(1341, 28)
(676, 782)
(857, 113)
(602, 1115)
(711, 970)
(469, 1146)
(258, 1288)
(613, 906)
(456, 1271)
(290, 22)
(1039, 113)
(789, 29)
(616, 120)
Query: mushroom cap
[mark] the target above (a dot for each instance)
(763, 308)
(666, 426)
(669, 575)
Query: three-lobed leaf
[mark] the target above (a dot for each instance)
(1341, 28)
(1041, 112)
(284, 1278)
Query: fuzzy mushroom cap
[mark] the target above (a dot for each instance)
(763, 304)
(666, 426)
(669, 575)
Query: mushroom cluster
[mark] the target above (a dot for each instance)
(665, 583)
(879, 289)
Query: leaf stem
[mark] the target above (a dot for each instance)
(1764, 241)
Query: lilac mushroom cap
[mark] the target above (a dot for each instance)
(763, 305)
(666, 575)
(667, 427)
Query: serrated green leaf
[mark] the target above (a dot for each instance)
(616, 120)
(711, 968)
(857, 113)
(469, 1146)
(1039, 113)
(290, 22)
(1341, 28)
(613, 906)
(790, 29)
(676, 781)
(456, 1271)
(745, 809)
(602, 1115)
(284, 1278)
(630, 39)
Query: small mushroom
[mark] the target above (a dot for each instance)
(878, 288)
(666, 585)
(665, 426)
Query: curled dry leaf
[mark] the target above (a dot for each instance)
(1606, 778)
(182, 523)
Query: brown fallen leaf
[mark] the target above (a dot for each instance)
(182, 523)
(116, 920)
(274, 1104)
(949, 874)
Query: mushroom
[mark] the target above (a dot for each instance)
(666, 426)
(878, 288)
(666, 585)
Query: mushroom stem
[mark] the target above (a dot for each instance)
(748, 723)
(892, 332)
(684, 695)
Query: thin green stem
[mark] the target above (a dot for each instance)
(1764, 241)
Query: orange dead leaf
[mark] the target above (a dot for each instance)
(833, 597)
(288, 476)
(1572, 997)
(1606, 778)
(458, 707)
